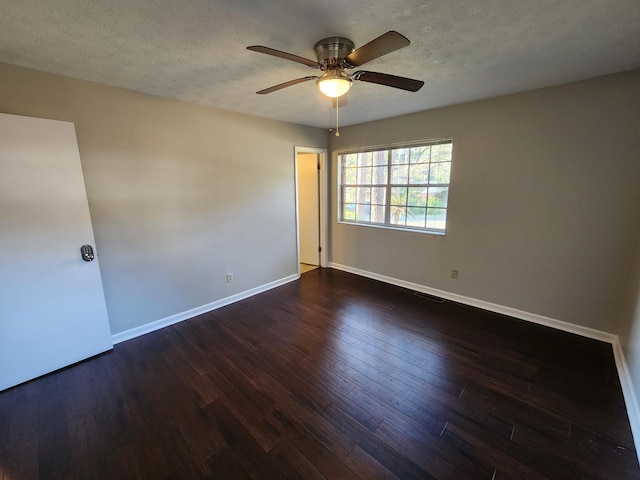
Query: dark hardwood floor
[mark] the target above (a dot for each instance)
(334, 376)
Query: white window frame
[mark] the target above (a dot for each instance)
(388, 186)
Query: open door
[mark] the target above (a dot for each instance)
(310, 197)
(52, 306)
(309, 208)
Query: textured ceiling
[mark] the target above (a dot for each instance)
(194, 50)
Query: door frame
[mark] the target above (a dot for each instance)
(323, 197)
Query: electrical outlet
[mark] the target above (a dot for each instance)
(229, 277)
(454, 273)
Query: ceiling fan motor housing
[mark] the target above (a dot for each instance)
(332, 51)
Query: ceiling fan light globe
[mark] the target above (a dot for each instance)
(334, 86)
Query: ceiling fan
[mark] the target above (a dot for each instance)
(337, 54)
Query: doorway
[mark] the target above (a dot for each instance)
(310, 211)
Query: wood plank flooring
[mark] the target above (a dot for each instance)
(333, 376)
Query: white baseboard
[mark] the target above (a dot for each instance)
(492, 307)
(630, 398)
(179, 317)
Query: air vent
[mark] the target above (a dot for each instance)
(433, 298)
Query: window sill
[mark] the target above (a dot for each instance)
(438, 233)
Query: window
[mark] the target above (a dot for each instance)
(400, 187)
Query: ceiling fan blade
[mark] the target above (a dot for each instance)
(378, 47)
(286, 84)
(402, 83)
(285, 55)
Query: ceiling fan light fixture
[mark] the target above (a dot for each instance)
(334, 83)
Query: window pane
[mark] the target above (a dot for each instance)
(441, 153)
(349, 212)
(399, 174)
(399, 196)
(398, 215)
(379, 175)
(440, 172)
(349, 195)
(416, 216)
(417, 197)
(350, 176)
(420, 154)
(363, 213)
(400, 156)
(365, 159)
(349, 160)
(419, 173)
(377, 213)
(363, 195)
(380, 158)
(364, 175)
(378, 195)
(438, 196)
(436, 218)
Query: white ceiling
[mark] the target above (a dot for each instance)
(194, 50)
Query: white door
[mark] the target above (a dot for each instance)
(308, 208)
(52, 307)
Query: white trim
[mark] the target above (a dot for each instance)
(630, 398)
(492, 307)
(179, 317)
(390, 146)
(324, 196)
(440, 233)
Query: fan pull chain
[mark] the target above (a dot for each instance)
(337, 116)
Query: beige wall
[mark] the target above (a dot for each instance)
(179, 194)
(543, 213)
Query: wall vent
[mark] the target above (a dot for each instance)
(433, 298)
